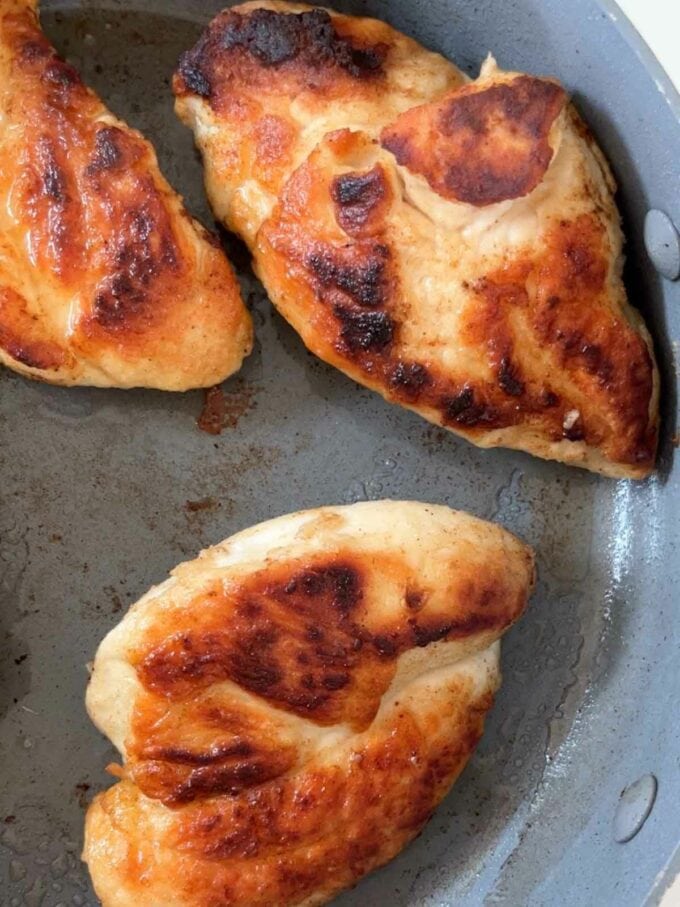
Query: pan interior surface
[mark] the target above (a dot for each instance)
(102, 492)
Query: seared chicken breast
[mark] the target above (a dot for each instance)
(453, 245)
(104, 278)
(292, 706)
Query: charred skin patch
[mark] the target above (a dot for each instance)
(54, 179)
(362, 277)
(340, 583)
(488, 324)
(109, 150)
(508, 378)
(53, 176)
(60, 77)
(274, 38)
(409, 379)
(43, 356)
(361, 200)
(179, 753)
(141, 255)
(305, 47)
(60, 81)
(356, 284)
(466, 409)
(176, 778)
(593, 357)
(575, 432)
(364, 331)
(34, 49)
(414, 599)
(355, 281)
(426, 634)
(193, 75)
(146, 251)
(480, 145)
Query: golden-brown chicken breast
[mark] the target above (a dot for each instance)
(267, 81)
(104, 277)
(293, 705)
(454, 246)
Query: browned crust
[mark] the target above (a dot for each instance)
(302, 699)
(605, 357)
(280, 52)
(254, 58)
(308, 834)
(543, 325)
(481, 144)
(330, 253)
(104, 228)
(296, 637)
(341, 812)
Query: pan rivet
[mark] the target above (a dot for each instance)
(662, 242)
(634, 807)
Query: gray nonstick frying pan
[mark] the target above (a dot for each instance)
(572, 797)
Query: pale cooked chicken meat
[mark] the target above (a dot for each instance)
(292, 706)
(453, 245)
(104, 277)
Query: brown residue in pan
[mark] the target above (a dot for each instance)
(223, 409)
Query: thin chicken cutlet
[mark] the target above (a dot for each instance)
(292, 706)
(104, 277)
(453, 245)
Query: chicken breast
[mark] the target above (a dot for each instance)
(104, 278)
(292, 706)
(455, 246)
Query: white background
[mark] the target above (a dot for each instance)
(658, 21)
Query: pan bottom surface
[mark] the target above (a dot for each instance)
(99, 492)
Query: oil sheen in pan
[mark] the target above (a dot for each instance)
(103, 492)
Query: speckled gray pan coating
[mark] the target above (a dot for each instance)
(94, 488)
